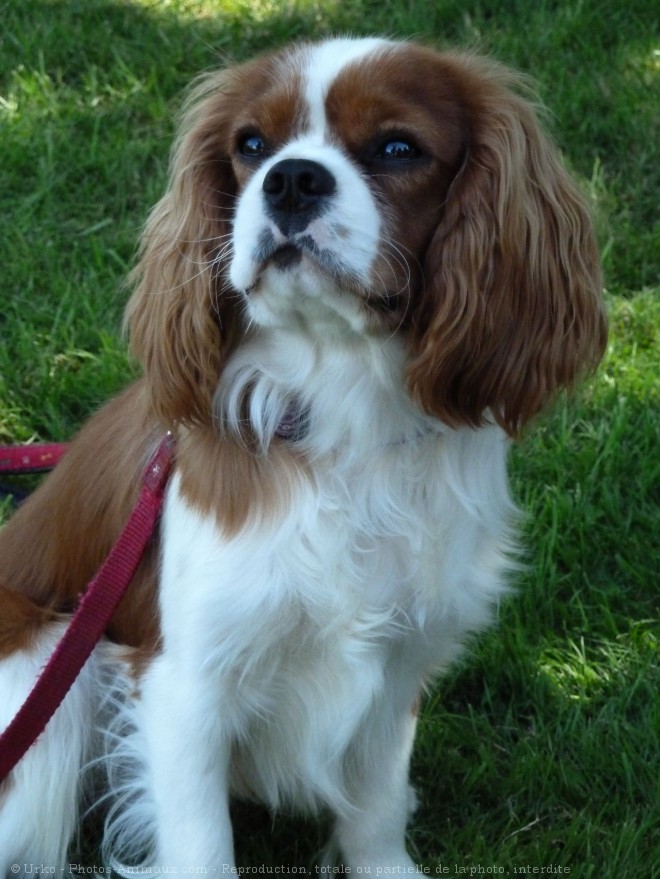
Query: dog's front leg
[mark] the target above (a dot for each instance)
(188, 755)
(372, 837)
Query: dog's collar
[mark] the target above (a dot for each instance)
(294, 424)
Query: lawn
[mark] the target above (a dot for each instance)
(541, 749)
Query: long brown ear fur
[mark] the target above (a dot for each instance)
(512, 307)
(180, 326)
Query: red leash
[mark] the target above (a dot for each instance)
(31, 459)
(92, 615)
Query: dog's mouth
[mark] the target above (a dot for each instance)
(288, 254)
(287, 274)
(303, 253)
(285, 257)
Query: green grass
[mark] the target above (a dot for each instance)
(541, 748)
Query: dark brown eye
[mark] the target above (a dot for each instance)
(252, 146)
(398, 151)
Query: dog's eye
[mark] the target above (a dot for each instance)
(398, 150)
(252, 146)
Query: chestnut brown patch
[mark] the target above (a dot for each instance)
(54, 544)
(225, 479)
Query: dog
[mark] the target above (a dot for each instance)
(369, 271)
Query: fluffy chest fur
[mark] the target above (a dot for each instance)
(387, 545)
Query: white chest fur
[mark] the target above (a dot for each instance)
(295, 628)
(294, 648)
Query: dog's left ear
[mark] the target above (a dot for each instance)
(180, 319)
(511, 309)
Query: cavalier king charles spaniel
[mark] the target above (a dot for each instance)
(368, 272)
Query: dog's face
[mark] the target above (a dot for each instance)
(343, 166)
(371, 187)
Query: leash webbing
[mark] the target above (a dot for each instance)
(92, 615)
(33, 458)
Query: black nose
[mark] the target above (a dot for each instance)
(297, 191)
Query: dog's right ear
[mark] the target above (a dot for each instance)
(180, 324)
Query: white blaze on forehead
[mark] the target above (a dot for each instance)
(323, 63)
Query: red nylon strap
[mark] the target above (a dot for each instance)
(91, 617)
(31, 459)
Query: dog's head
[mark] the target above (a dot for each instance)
(371, 187)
